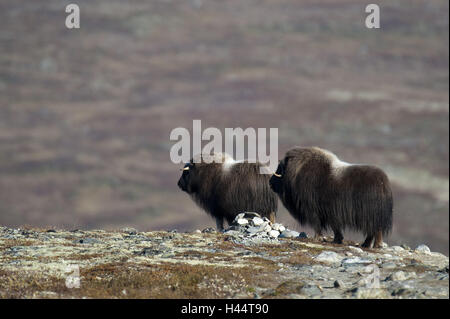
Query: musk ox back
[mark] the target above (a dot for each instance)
(321, 191)
(224, 187)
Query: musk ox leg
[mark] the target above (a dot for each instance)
(368, 241)
(272, 217)
(318, 234)
(219, 223)
(378, 240)
(338, 237)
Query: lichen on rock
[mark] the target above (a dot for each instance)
(240, 262)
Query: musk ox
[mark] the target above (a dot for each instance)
(321, 191)
(224, 187)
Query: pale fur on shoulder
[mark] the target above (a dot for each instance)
(228, 164)
(337, 166)
(218, 158)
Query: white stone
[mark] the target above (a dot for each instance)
(328, 257)
(274, 233)
(242, 221)
(276, 226)
(267, 228)
(257, 221)
(422, 249)
(397, 249)
(289, 234)
(254, 229)
(356, 249)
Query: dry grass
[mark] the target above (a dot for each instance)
(9, 243)
(124, 280)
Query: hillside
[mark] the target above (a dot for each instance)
(39, 263)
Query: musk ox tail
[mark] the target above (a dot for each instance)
(371, 203)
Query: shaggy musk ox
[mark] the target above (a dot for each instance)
(321, 191)
(224, 187)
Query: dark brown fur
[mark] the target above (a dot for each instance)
(225, 194)
(355, 196)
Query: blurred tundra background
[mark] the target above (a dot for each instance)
(85, 114)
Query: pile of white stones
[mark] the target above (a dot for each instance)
(253, 226)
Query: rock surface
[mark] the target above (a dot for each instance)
(239, 263)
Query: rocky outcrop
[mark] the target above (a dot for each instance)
(248, 260)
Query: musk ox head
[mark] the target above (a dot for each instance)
(196, 171)
(276, 182)
(297, 161)
(185, 181)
